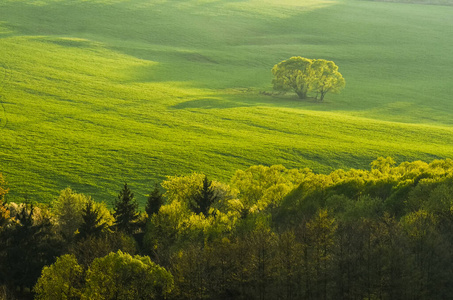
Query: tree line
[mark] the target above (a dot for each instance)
(270, 233)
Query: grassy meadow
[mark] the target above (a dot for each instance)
(95, 93)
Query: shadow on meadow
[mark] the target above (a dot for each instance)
(209, 103)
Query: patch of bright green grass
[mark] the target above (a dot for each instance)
(98, 93)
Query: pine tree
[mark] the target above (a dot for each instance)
(92, 224)
(155, 201)
(125, 211)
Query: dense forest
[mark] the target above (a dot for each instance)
(270, 233)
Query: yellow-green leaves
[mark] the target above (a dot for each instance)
(303, 75)
(261, 186)
(62, 280)
(121, 276)
(292, 74)
(67, 210)
(324, 77)
(115, 276)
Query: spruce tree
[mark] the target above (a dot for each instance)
(204, 198)
(155, 201)
(125, 211)
(92, 224)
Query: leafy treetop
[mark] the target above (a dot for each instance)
(303, 75)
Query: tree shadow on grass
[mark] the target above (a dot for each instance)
(209, 103)
(252, 99)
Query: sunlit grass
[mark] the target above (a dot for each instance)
(98, 93)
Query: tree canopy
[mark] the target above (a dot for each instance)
(61, 280)
(115, 276)
(271, 233)
(67, 209)
(121, 276)
(302, 75)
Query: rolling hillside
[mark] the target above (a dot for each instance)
(97, 93)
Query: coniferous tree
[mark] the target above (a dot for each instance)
(155, 201)
(28, 245)
(125, 211)
(204, 198)
(92, 224)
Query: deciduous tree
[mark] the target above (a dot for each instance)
(123, 277)
(67, 210)
(62, 280)
(324, 77)
(293, 74)
(302, 75)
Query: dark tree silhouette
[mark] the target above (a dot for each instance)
(26, 247)
(125, 211)
(92, 224)
(155, 201)
(204, 198)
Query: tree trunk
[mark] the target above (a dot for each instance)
(301, 94)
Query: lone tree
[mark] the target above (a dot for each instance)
(303, 75)
(125, 211)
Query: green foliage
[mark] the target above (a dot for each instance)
(324, 78)
(125, 211)
(382, 164)
(203, 199)
(182, 188)
(68, 209)
(303, 75)
(121, 276)
(93, 223)
(88, 249)
(114, 276)
(335, 236)
(61, 280)
(261, 186)
(162, 230)
(293, 74)
(192, 188)
(380, 233)
(28, 244)
(154, 202)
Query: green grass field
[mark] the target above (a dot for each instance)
(97, 93)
